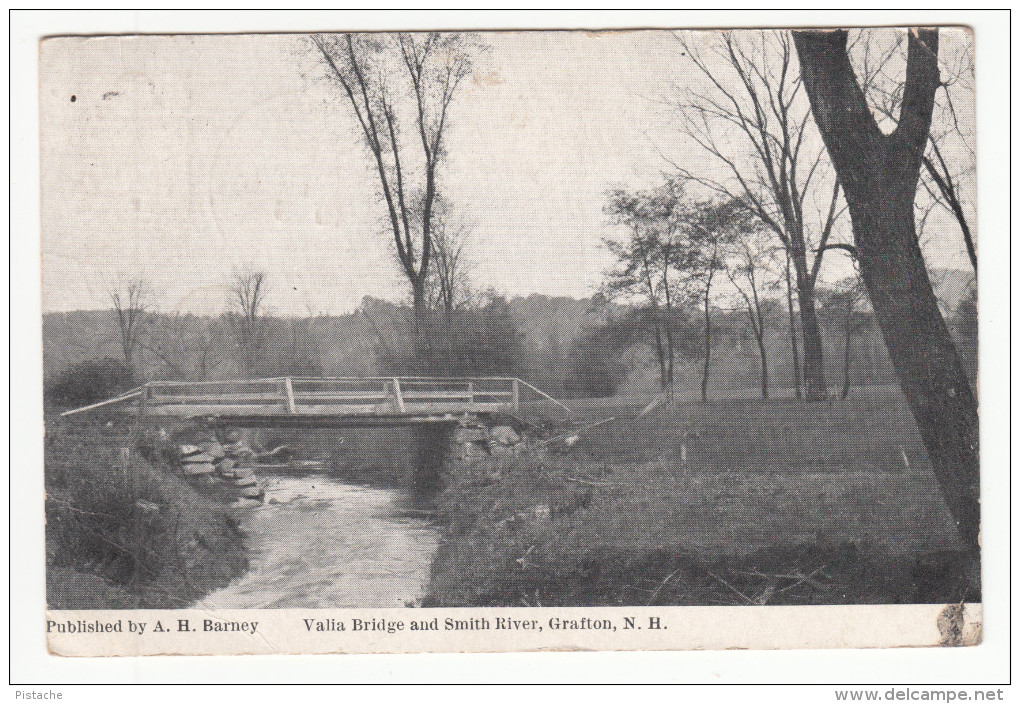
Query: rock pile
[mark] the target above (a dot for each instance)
(500, 440)
(222, 462)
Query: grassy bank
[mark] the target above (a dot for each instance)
(129, 534)
(778, 502)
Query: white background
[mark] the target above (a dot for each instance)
(29, 661)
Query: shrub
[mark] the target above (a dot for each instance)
(597, 366)
(89, 382)
(596, 369)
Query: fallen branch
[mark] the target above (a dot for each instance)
(576, 431)
(523, 559)
(806, 579)
(765, 575)
(656, 402)
(765, 595)
(71, 507)
(655, 593)
(733, 589)
(583, 481)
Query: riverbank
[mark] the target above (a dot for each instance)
(730, 502)
(127, 530)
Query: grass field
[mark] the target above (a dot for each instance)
(777, 502)
(733, 501)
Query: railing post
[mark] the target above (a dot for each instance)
(471, 392)
(517, 396)
(288, 388)
(143, 400)
(398, 396)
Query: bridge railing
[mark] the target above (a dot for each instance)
(408, 394)
(329, 396)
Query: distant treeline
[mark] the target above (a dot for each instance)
(570, 347)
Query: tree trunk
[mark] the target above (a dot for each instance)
(669, 360)
(814, 367)
(708, 339)
(421, 324)
(846, 357)
(669, 342)
(661, 352)
(793, 332)
(922, 351)
(764, 366)
(653, 303)
(879, 175)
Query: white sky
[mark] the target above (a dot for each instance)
(183, 158)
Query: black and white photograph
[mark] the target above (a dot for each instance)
(437, 338)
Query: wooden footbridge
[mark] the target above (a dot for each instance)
(329, 402)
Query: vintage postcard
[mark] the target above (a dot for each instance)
(510, 341)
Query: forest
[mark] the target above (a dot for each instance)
(573, 348)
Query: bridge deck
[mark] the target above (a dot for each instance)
(335, 402)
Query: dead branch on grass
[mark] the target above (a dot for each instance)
(588, 483)
(576, 431)
(523, 559)
(662, 584)
(71, 507)
(733, 589)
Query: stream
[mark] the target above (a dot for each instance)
(323, 541)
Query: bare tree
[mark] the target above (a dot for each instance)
(389, 337)
(167, 344)
(305, 354)
(749, 261)
(248, 290)
(757, 129)
(714, 227)
(949, 157)
(795, 348)
(451, 286)
(131, 299)
(447, 285)
(246, 302)
(880, 173)
(183, 345)
(853, 323)
(390, 80)
(843, 302)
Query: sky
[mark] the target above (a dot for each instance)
(180, 160)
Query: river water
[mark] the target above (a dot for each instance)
(320, 541)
